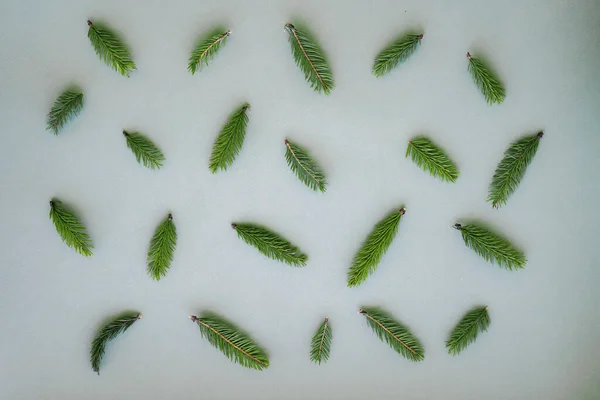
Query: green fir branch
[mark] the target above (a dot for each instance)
(66, 107)
(486, 80)
(491, 246)
(305, 167)
(108, 332)
(431, 158)
(392, 332)
(270, 244)
(231, 341)
(310, 58)
(466, 331)
(206, 49)
(511, 169)
(70, 228)
(320, 345)
(162, 247)
(111, 49)
(374, 247)
(395, 53)
(230, 140)
(146, 153)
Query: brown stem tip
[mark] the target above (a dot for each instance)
(326, 319)
(170, 217)
(402, 211)
(457, 226)
(234, 226)
(228, 33)
(361, 311)
(139, 316)
(469, 55)
(193, 318)
(420, 36)
(540, 135)
(89, 22)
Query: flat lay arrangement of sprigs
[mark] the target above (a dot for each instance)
(310, 58)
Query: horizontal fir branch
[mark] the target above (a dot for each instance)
(395, 53)
(162, 247)
(111, 49)
(486, 80)
(320, 345)
(206, 49)
(146, 153)
(468, 328)
(70, 228)
(66, 107)
(305, 167)
(431, 158)
(107, 333)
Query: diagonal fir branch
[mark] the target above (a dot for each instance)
(206, 49)
(305, 167)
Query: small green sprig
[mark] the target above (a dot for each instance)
(320, 345)
(305, 167)
(395, 53)
(70, 228)
(107, 333)
(432, 158)
(66, 107)
(162, 247)
(486, 80)
(230, 140)
(111, 49)
(146, 153)
(206, 49)
(468, 328)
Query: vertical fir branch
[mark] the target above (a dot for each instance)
(321, 343)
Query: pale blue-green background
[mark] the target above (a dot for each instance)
(543, 341)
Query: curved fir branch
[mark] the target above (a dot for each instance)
(270, 244)
(491, 246)
(305, 167)
(511, 169)
(146, 153)
(321, 343)
(206, 49)
(310, 58)
(466, 331)
(392, 332)
(111, 49)
(70, 228)
(230, 140)
(162, 247)
(108, 332)
(486, 80)
(235, 344)
(395, 53)
(66, 107)
(374, 247)
(431, 158)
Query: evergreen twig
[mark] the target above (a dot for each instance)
(395, 53)
(66, 107)
(70, 228)
(235, 344)
(270, 244)
(206, 49)
(162, 247)
(486, 80)
(392, 332)
(511, 169)
(107, 333)
(305, 167)
(146, 153)
(320, 345)
(310, 58)
(468, 328)
(491, 246)
(374, 247)
(431, 158)
(111, 49)
(230, 140)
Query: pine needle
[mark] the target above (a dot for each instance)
(162, 247)
(270, 244)
(486, 80)
(431, 158)
(466, 331)
(310, 58)
(206, 49)
(491, 246)
(146, 153)
(66, 107)
(511, 169)
(230, 140)
(70, 228)
(321, 343)
(392, 332)
(374, 247)
(108, 332)
(305, 167)
(111, 49)
(395, 53)
(235, 344)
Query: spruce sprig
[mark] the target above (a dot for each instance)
(486, 80)
(374, 247)
(305, 167)
(491, 246)
(111, 49)
(511, 169)
(146, 153)
(320, 345)
(231, 341)
(270, 244)
(468, 328)
(107, 333)
(431, 158)
(310, 58)
(70, 228)
(162, 247)
(206, 49)
(230, 140)
(392, 332)
(66, 107)
(395, 53)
